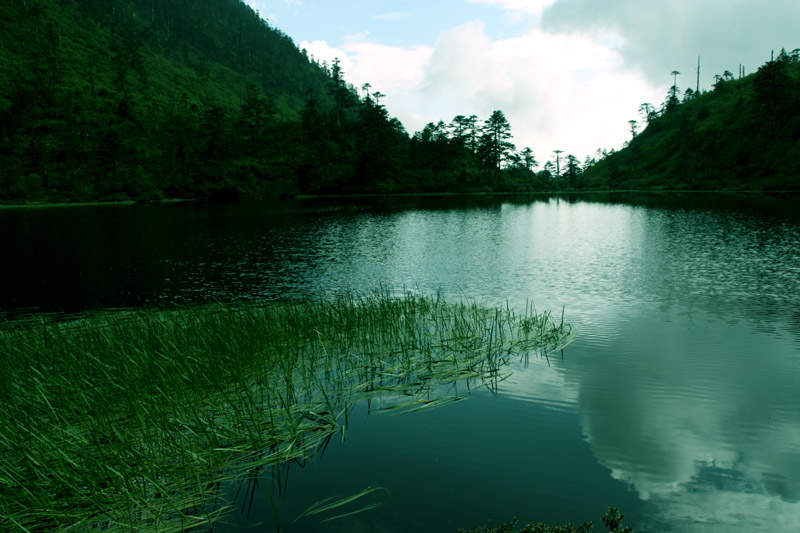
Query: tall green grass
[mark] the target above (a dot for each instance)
(130, 419)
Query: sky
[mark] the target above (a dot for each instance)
(568, 74)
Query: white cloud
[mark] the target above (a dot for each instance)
(386, 68)
(322, 51)
(569, 78)
(558, 92)
(663, 36)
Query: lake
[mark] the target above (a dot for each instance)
(677, 402)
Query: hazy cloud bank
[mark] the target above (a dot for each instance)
(659, 37)
(568, 74)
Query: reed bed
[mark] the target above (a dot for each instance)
(128, 420)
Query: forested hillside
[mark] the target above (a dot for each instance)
(150, 99)
(106, 98)
(145, 99)
(742, 135)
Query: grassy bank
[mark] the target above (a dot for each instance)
(129, 419)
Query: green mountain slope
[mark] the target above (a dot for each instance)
(743, 135)
(97, 95)
(146, 99)
(94, 51)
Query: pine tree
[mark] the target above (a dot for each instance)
(495, 146)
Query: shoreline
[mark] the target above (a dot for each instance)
(551, 193)
(36, 205)
(40, 205)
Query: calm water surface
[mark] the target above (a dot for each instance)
(678, 402)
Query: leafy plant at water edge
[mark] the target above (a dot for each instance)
(132, 419)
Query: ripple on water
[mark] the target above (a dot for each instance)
(682, 380)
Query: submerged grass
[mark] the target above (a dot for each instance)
(333, 503)
(131, 419)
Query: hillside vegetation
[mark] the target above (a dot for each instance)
(743, 135)
(145, 99)
(124, 98)
(150, 99)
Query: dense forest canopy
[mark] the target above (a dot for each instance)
(742, 135)
(143, 99)
(146, 99)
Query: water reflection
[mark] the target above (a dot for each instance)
(681, 385)
(698, 414)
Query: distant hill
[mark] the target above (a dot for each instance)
(104, 99)
(152, 51)
(147, 99)
(743, 135)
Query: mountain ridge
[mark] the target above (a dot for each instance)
(742, 135)
(106, 100)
